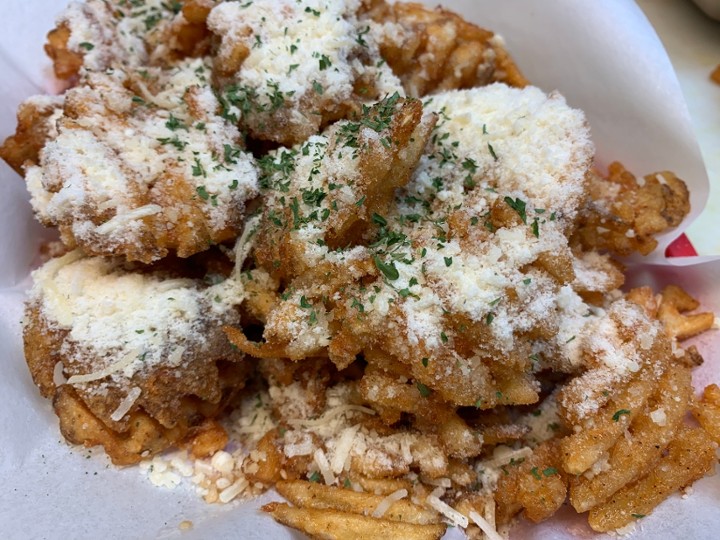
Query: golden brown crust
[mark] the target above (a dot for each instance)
(145, 437)
(623, 215)
(537, 486)
(187, 218)
(173, 399)
(434, 50)
(180, 33)
(42, 349)
(66, 63)
(32, 132)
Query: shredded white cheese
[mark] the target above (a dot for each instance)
(328, 415)
(343, 448)
(502, 455)
(126, 404)
(120, 365)
(455, 517)
(384, 505)
(485, 526)
(58, 376)
(322, 463)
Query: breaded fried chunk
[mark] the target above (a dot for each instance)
(326, 191)
(96, 34)
(142, 165)
(133, 358)
(287, 68)
(434, 50)
(625, 214)
(36, 124)
(321, 199)
(459, 270)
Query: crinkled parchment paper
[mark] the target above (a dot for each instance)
(603, 56)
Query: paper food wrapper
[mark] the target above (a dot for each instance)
(603, 56)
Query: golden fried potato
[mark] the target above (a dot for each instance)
(691, 455)
(320, 496)
(97, 35)
(308, 195)
(66, 63)
(381, 486)
(623, 216)
(535, 485)
(707, 411)
(145, 436)
(206, 439)
(473, 505)
(378, 153)
(34, 128)
(391, 398)
(435, 50)
(418, 276)
(581, 450)
(671, 312)
(635, 455)
(131, 346)
(335, 525)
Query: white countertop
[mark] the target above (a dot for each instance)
(693, 42)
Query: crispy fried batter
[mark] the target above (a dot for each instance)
(165, 383)
(35, 126)
(623, 215)
(285, 70)
(434, 50)
(181, 185)
(118, 34)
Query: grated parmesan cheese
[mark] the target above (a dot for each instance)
(120, 365)
(321, 461)
(126, 404)
(343, 448)
(455, 517)
(384, 505)
(330, 414)
(102, 179)
(485, 526)
(58, 376)
(659, 417)
(303, 56)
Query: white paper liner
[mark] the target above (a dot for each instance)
(603, 56)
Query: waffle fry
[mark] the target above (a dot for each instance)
(337, 525)
(631, 458)
(436, 50)
(318, 496)
(690, 456)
